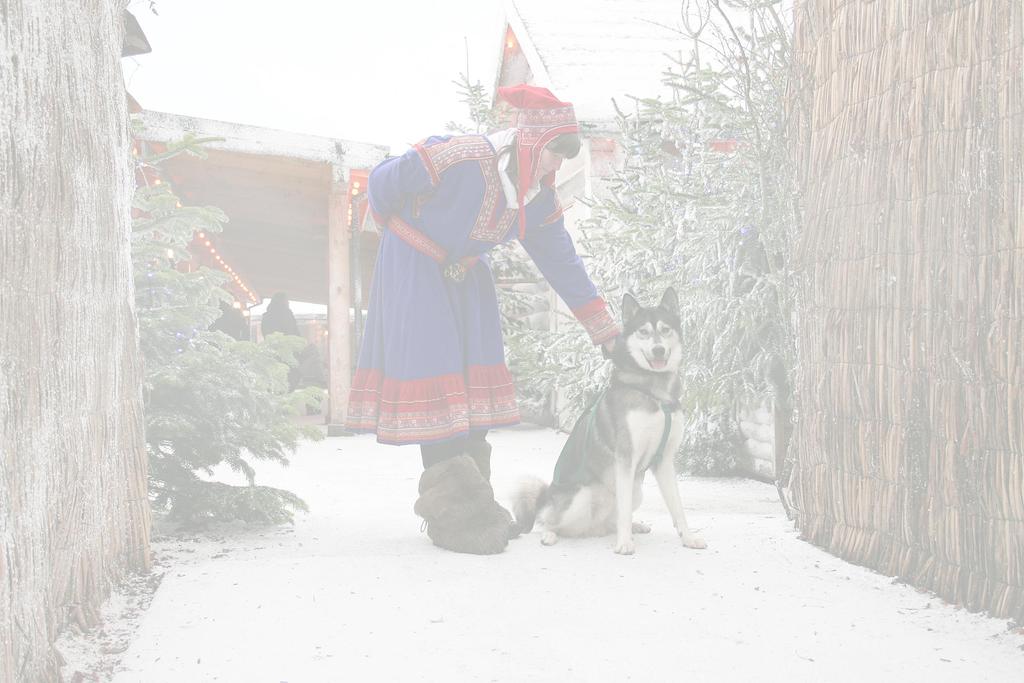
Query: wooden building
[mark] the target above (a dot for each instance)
(294, 202)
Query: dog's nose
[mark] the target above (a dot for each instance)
(658, 351)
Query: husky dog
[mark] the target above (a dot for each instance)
(635, 425)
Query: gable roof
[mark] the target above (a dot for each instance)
(135, 41)
(254, 140)
(590, 51)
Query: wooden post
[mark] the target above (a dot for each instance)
(339, 304)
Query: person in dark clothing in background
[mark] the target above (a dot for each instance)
(232, 322)
(279, 317)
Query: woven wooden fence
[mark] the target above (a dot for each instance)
(909, 444)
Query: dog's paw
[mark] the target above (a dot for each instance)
(641, 528)
(549, 538)
(625, 547)
(691, 541)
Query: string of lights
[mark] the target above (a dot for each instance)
(149, 176)
(204, 241)
(355, 191)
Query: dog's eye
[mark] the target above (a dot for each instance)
(643, 333)
(664, 329)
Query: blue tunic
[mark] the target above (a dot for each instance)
(432, 362)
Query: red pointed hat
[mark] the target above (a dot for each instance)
(540, 117)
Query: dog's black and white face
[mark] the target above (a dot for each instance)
(652, 336)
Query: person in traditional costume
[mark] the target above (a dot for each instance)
(431, 369)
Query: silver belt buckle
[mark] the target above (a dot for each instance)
(456, 272)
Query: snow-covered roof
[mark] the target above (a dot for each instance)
(344, 154)
(590, 51)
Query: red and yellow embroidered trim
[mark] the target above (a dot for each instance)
(439, 157)
(416, 239)
(504, 224)
(433, 408)
(485, 228)
(597, 320)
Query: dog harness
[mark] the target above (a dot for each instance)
(573, 458)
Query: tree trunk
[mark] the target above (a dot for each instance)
(74, 515)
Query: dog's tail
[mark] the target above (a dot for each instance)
(531, 495)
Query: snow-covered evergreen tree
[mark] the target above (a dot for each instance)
(209, 399)
(705, 202)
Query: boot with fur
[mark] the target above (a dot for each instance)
(480, 451)
(459, 507)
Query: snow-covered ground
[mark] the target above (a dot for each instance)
(355, 592)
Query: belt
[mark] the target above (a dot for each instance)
(454, 270)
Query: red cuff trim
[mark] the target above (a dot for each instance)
(597, 320)
(590, 308)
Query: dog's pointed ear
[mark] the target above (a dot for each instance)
(670, 301)
(629, 307)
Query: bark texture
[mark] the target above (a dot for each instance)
(74, 516)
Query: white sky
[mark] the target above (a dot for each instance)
(376, 71)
